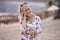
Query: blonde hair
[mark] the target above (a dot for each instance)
(20, 12)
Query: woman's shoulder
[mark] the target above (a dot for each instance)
(37, 18)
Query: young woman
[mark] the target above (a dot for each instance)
(30, 24)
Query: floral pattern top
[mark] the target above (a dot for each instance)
(34, 25)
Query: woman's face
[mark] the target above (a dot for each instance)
(26, 10)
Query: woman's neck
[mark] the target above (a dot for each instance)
(30, 18)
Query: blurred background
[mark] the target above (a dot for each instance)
(47, 10)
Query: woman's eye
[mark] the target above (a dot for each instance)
(28, 8)
(25, 10)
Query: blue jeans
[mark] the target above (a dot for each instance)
(22, 39)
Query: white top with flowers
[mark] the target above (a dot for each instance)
(34, 25)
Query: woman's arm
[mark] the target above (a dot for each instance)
(32, 32)
(38, 25)
(23, 23)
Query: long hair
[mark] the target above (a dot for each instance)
(20, 11)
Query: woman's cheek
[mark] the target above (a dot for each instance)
(25, 12)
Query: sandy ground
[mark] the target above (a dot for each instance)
(50, 31)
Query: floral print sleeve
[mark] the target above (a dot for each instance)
(22, 29)
(38, 25)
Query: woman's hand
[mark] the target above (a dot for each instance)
(32, 32)
(24, 18)
(24, 33)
